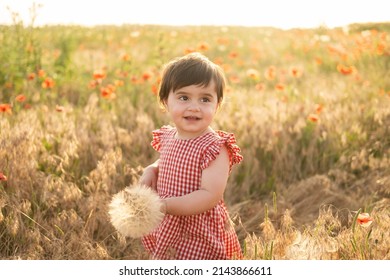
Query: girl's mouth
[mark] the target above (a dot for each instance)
(192, 118)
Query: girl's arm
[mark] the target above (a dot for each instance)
(213, 184)
(149, 176)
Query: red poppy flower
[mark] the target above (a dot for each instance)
(134, 80)
(126, 57)
(280, 87)
(41, 73)
(155, 89)
(313, 117)
(380, 48)
(3, 177)
(233, 54)
(234, 79)
(48, 83)
(270, 73)
(203, 46)
(20, 98)
(147, 75)
(189, 50)
(108, 92)
(99, 75)
(319, 108)
(223, 41)
(31, 76)
(260, 86)
(364, 219)
(346, 70)
(60, 108)
(296, 72)
(119, 83)
(92, 84)
(318, 60)
(252, 73)
(6, 108)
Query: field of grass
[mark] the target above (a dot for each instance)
(310, 110)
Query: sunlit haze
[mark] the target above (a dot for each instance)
(277, 13)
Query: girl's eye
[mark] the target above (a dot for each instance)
(205, 99)
(183, 98)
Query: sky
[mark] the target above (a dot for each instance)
(277, 13)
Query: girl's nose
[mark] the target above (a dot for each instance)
(194, 107)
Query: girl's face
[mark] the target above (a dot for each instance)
(192, 109)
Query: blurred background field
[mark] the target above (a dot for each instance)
(310, 109)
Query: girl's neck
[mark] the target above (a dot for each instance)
(192, 136)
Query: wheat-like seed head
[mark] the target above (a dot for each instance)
(135, 211)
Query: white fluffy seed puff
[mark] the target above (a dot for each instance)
(135, 211)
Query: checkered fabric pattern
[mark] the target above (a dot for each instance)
(209, 235)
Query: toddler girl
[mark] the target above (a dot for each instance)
(195, 161)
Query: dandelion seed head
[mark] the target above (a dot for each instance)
(135, 211)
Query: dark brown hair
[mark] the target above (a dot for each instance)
(191, 69)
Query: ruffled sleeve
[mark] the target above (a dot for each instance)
(158, 136)
(212, 150)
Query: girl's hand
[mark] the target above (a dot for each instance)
(149, 176)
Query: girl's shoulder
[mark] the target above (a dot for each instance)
(226, 138)
(218, 139)
(160, 134)
(165, 129)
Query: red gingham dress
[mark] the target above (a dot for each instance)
(209, 235)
